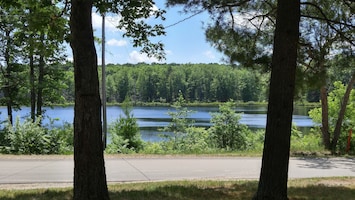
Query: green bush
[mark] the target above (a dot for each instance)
(125, 137)
(194, 140)
(310, 142)
(31, 138)
(62, 139)
(255, 140)
(179, 124)
(153, 148)
(226, 132)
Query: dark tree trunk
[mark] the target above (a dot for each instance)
(344, 102)
(33, 88)
(274, 169)
(325, 121)
(89, 166)
(7, 76)
(40, 86)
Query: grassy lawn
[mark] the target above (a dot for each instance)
(320, 188)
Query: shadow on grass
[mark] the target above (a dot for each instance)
(321, 192)
(195, 190)
(223, 190)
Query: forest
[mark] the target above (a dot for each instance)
(286, 51)
(162, 83)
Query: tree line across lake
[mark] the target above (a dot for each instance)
(197, 82)
(142, 83)
(148, 83)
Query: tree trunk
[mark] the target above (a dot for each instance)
(89, 166)
(40, 86)
(7, 77)
(274, 169)
(337, 129)
(325, 121)
(33, 89)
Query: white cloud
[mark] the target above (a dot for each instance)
(111, 22)
(209, 54)
(249, 20)
(136, 57)
(118, 43)
(169, 52)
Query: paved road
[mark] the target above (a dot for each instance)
(60, 170)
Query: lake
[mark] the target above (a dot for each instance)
(150, 119)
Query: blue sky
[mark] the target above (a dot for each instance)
(184, 42)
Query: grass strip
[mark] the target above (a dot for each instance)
(305, 189)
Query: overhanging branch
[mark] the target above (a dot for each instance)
(329, 21)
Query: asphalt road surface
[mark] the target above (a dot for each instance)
(57, 170)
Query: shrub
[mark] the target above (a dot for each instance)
(62, 139)
(179, 125)
(227, 132)
(153, 148)
(310, 142)
(195, 140)
(334, 104)
(125, 137)
(26, 138)
(255, 140)
(31, 138)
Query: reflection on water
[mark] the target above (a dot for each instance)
(150, 119)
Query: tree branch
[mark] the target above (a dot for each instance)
(230, 5)
(232, 16)
(329, 21)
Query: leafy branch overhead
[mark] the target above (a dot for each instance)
(133, 20)
(243, 30)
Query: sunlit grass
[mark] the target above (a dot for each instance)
(319, 188)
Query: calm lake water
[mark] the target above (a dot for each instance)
(150, 119)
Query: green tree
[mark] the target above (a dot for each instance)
(122, 86)
(252, 90)
(226, 132)
(320, 39)
(335, 99)
(177, 83)
(89, 168)
(68, 81)
(180, 122)
(41, 39)
(285, 16)
(274, 171)
(12, 73)
(35, 37)
(125, 132)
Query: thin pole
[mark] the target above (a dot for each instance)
(103, 67)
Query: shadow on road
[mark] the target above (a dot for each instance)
(328, 163)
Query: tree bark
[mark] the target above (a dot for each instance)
(40, 84)
(89, 166)
(325, 120)
(344, 102)
(33, 87)
(7, 77)
(274, 169)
